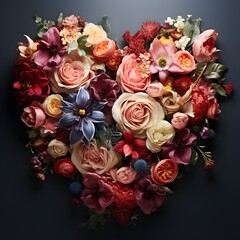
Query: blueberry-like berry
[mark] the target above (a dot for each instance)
(140, 166)
(75, 187)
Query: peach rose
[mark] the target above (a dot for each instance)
(155, 89)
(33, 115)
(95, 33)
(104, 50)
(179, 120)
(74, 72)
(185, 61)
(204, 46)
(57, 148)
(213, 109)
(65, 168)
(93, 158)
(125, 175)
(136, 113)
(165, 171)
(158, 134)
(130, 76)
(52, 105)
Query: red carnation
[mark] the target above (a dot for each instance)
(30, 84)
(124, 202)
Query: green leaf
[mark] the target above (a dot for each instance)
(38, 20)
(59, 19)
(219, 89)
(194, 157)
(196, 29)
(72, 46)
(200, 69)
(81, 53)
(212, 75)
(215, 67)
(106, 25)
(188, 29)
(82, 40)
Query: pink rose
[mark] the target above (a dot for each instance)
(33, 116)
(179, 120)
(155, 89)
(130, 75)
(65, 168)
(204, 46)
(213, 109)
(136, 113)
(185, 61)
(74, 72)
(125, 175)
(165, 171)
(93, 158)
(104, 50)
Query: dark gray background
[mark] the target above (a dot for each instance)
(205, 205)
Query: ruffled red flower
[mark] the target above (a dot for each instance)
(30, 84)
(65, 167)
(124, 202)
(114, 62)
(182, 84)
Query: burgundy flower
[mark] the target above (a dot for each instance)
(105, 90)
(179, 148)
(150, 29)
(149, 196)
(50, 50)
(97, 194)
(30, 84)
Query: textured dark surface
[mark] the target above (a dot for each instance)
(205, 205)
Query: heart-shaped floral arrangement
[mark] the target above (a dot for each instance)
(119, 123)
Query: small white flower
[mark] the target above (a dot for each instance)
(170, 20)
(182, 42)
(179, 24)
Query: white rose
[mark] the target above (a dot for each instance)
(57, 148)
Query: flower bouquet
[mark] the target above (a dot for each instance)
(119, 123)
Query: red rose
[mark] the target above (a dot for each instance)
(65, 167)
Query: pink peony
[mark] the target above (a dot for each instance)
(149, 196)
(97, 194)
(204, 46)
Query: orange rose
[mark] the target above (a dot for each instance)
(185, 61)
(165, 171)
(104, 49)
(52, 105)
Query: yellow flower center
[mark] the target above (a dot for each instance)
(27, 85)
(162, 62)
(82, 112)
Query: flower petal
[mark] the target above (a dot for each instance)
(75, 136)
(97, 116)
(88, 129)
(82, 97)
(67, 120)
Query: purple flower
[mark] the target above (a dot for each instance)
(50, 50)
(106, 90)
(97, 194)
(149, 196)
(82, 116)
(179, 148)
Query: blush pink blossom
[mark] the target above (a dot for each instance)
(179, 120)
(213, 109)
(204, 46)
(33, 116)
(125, 175)
(155, 89)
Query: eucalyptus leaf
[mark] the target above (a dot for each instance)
(219, 89)
(59, 19)
(212, 75)
(106, 25)
(200, 69)
(215, 67)
(188, 29)
(196, 29)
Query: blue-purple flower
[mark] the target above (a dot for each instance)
(81, 116)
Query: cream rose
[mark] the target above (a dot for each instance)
(130, 76)
(95, 33)
(136, 112)
(125, 175)
(74, 72)
(57, 148)
(158, 134)
(93, 158)
(52, 105)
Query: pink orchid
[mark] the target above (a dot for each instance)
(163, 56)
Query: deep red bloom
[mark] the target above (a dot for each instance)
(182, 84)
(228, 88)
(30, 84)
(114, 62)
(130, 145)
(65, 167)
(150, 29)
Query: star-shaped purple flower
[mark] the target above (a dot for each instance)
(82, 116)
